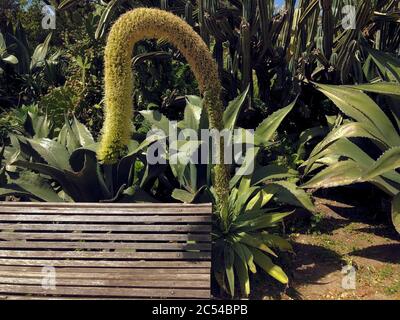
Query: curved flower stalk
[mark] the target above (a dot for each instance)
(142, 24)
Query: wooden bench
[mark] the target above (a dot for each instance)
(82, 250)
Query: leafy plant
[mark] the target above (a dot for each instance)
(65, 168)
(344, 160)
(240, 234)
(5, 57)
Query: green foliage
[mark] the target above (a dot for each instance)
(58, 102)
(345, 160)
(43, 166)
(245, 234)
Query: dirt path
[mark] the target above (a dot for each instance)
(333, 242)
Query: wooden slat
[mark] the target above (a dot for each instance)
(137, 272)
(105, 255)
(104, 219)
(105, 208)
(162, 250)
(108, 292)
(105, 245)
(103, 227)
(104, 263)
(108, 283)
(104, 236)
(113, 275)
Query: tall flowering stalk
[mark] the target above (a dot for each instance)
(146, 23)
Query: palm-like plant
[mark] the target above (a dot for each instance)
(45, 165)
(344, 160)
(241, 239)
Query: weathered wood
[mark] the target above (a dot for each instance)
(105, 245)
(105, 255)
(104, 236)
(105, 251)
(103, 219)
(108, 283)
(104, 263)
(108, 292)
(109, 227)
(113, 275)
(139, 272)
(104, 208)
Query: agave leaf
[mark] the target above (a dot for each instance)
(387, 64)
(290, 193)
(232, 111)
(9, 58)
(346, 148)
(260, 199)
(82, 133)
(382, 87)
(242, 272)
(308, 135)
(55, 173)
(349, 130)
(39, 126)
(396, 212)
(183, 195)
(52, 152)
(265, 221)
(269, 267)
(276, 242)
(271, 172)
(85, 182)
(228, 261)
(265, 131)
(243, 198)
(191, 117)
(245, 254)
(388, 161)
(339, 174)
(40, 52)
(246, 168)
(359, 106)
(251, 241)
(157, 119)
(35, 186)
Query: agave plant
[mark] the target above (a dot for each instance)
(5, 57)
(343, 160)
(43, 165)
(240, 235)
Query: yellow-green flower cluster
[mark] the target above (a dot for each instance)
(142, 24)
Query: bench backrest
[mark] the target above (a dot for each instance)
(105, 250)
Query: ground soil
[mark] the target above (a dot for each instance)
(342, 234)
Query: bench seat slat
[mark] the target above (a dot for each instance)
(107, 292)
(106, 227)
(109, 283)
(111, 275)
(105, 263)
(106, 209)
(105, 255)
(105, 245)
(140, 272)
(105, 251)
(104, 236)
(103, 219)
